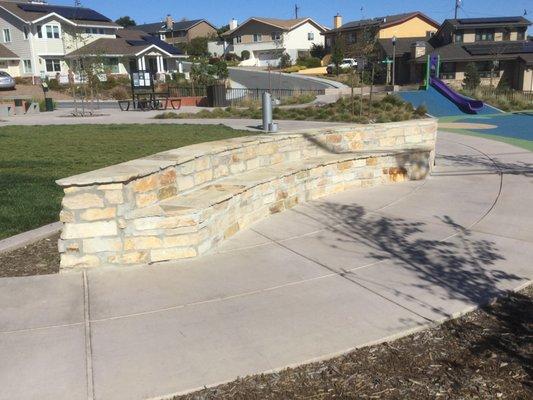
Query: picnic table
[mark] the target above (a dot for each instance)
(146, 101)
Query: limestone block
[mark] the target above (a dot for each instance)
(111, 186)
(203, 176)
(136, 257)
(167, 192)
(184, 182)
(114, 197)
(163, 222)
(167, 177)
(72, 261)
(66, 216)
(172, 254)
(82, 201)
(99, 245)
(89, 230)
(95, 214)
(142, 243)
(146, 199)
(181, 240)
(145, 184)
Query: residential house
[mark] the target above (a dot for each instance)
(497, 46)
(43, 37)
(41, 34)
(391, 35)
(264, 40)
(177, 32)
(9, 61)
(131, 51)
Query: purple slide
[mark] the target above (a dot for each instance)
(467, 105)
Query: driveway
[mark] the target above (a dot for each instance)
(349, 270)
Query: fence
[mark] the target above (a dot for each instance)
(240, 95)
(511, 95)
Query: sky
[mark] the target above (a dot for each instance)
(219, 12)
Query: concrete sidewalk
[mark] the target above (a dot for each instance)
(352, 269)
(110, 116)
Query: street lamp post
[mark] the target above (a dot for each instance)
(393, 62)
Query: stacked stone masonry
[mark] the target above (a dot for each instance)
(181, 203)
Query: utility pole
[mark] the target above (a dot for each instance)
(296, 9)
(457, 7)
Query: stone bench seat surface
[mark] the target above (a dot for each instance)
(181, 203)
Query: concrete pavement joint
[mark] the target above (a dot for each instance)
(88, 338)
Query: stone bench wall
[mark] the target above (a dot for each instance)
(114, 216)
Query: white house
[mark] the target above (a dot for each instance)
(264, 40)
(41, 39)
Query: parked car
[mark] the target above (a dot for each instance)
(345, 64)
(6, 81)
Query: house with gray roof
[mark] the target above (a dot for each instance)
(178, 32)
(41, 40)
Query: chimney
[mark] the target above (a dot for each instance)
(169, 22)
(233, 24)
(337, 21)
(418, 49)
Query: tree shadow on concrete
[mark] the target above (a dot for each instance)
(460, 268)
(483, 165)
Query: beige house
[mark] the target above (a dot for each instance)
(9, 61)
(264, 40)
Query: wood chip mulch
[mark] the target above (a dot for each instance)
(487, 354)
(39, 258)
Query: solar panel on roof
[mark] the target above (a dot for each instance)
(76, 13)
(467, 21)
(503, 48)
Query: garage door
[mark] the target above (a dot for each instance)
(267, 58)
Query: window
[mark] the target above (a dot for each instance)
(311, 36)
(458, 37)
(485, 68)
(521, 35)
(276, 36)
(111, 65)
(27, 66)
(447, 70)
(39, 31)
(53, 65)
(7, 35)
(26, 33)
(101, 31)
(484, 35)
(238, 39)
(162, 36)
(52, 31)
(258, 37)
(352, 37)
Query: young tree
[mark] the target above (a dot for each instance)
(197, 47)
(222, 29)
(126, 21)
(285, 61)
(337, 54)
(318, 51)
(472, 79)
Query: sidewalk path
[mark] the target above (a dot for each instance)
(318, 280)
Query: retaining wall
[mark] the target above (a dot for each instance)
(181, 203)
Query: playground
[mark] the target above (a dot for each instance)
(460, 114)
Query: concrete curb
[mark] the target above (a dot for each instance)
(26, 238)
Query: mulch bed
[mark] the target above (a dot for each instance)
(487, 354)
(39, 258)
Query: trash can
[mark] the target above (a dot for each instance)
(216, 96)
(49, 104)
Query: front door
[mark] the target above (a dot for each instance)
(152, 65)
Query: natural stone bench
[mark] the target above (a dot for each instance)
(181, 203)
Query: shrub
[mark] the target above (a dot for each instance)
(421, 110)
(472, 79)
(232, 57)
(245, 55)
(309, 62)
(53, 84)
(318, 51)
(167, 115)
(119, 93)
(285, 61)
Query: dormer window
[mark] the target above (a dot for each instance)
(276, 36)
(521, 35)
(258, 37)
(458, 37)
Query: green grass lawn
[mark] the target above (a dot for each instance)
(33, 157)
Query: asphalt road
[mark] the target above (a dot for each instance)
(261, 80)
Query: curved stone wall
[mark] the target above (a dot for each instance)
(181, 203)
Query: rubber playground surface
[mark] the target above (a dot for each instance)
(514, 128)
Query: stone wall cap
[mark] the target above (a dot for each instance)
(141, 167)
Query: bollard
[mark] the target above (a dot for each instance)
(267, 111)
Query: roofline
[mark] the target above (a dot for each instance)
(389, 24)
(53, 14)
(257, 19)
(190, 27)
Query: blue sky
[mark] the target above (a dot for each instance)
(219, 12)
